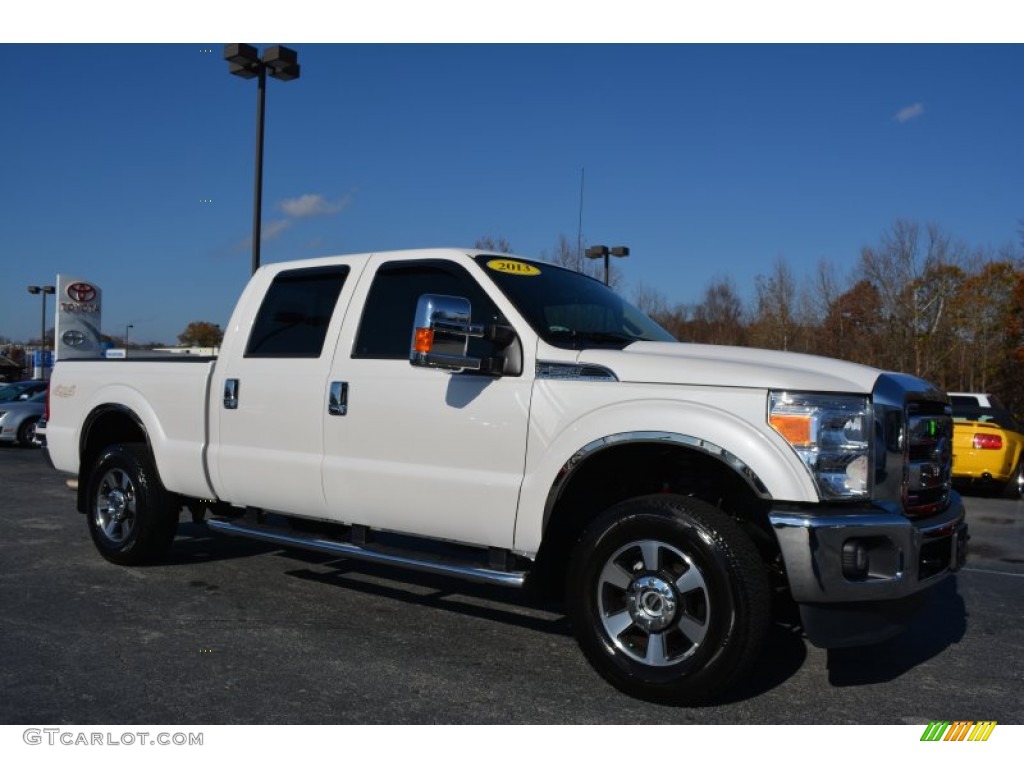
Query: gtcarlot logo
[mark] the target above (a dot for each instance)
(958, 730)
(61, 737)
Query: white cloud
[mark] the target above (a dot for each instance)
(306, 206)
(267, 232)
(301, 207)
(273, 229)
(909, 113)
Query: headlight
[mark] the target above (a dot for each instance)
(832, 435)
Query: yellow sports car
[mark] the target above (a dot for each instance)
(987, 448)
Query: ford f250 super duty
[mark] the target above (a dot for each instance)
(515, 423)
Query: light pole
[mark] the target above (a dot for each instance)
(244, 61)
(597, 251)
(42, 290)
(127, 328)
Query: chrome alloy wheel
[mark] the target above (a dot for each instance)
(115, 512)
(653, 603)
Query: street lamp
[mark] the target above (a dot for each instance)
(282, 64)
(42, 290)
(127, 328)
(597, 251)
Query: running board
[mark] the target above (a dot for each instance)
(356, 552)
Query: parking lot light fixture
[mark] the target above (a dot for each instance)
(281, 63)
(599, 251)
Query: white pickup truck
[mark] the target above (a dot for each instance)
(511, 422)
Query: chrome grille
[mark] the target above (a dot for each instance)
(914, 447)
(929, 457)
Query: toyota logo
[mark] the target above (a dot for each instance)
(81, 292)
(73, 338)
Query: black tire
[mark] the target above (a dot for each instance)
(668, 599)
(27, 432)
(132, 518)
(1014, 488)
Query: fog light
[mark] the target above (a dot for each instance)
(855, 560)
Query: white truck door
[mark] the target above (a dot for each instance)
(270, 394)
(418, 450)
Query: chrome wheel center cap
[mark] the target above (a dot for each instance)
(118, 504)
(652, 603)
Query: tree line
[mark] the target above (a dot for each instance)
(918, 302)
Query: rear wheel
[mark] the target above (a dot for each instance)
(668, 599)
(1014, 488)
(132, 518)
(27, 433)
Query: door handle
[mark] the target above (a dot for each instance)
(337, 403)
(231, 394)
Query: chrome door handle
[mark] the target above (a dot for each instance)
(337, 404)
(231, 394)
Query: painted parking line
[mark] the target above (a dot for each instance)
(986, 570)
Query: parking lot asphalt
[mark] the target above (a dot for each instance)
(227, 631)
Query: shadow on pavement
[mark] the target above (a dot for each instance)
(941, 623)
(508, 606)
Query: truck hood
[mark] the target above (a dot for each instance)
(721, 366)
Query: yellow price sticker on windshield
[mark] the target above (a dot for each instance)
(512, 267)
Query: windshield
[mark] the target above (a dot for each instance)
(997, 417)
(13, 391)
(568, 309)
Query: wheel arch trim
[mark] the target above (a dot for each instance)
(100, 411)
(96, 415)
(580, 458)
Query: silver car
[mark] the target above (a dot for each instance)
(18, 419)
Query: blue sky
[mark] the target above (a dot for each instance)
(707, 160)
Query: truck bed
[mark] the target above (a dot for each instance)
(163, 392)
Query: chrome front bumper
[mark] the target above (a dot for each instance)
(859, 577)
(861, 569)
(904, 556)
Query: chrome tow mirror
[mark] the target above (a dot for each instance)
(441, 332)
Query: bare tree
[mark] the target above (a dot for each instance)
(774, 325)
(853, 325)
(488, 243)
(718, 319)
(648, 299)
(903, 268)
(566, 255)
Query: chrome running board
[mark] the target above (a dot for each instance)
(314, 543)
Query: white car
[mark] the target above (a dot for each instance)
(979, 399)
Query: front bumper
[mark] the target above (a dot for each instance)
(865, 571)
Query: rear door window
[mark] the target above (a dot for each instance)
(293, 318)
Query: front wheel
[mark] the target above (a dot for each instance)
(132, 518)
(668, 599)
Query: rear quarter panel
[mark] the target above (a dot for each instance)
(970, 463)
(169, 398)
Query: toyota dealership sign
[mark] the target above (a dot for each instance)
(78, 318)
